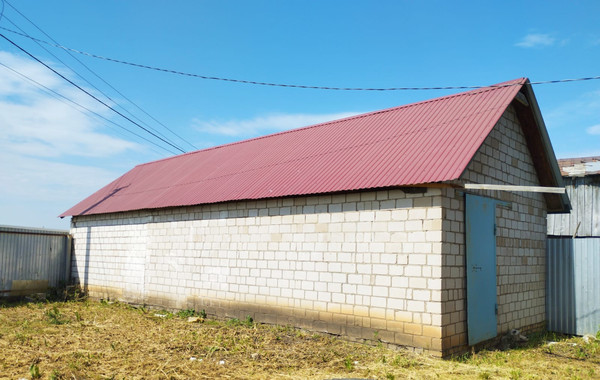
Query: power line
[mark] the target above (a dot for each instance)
(95, 74)
(82, 77)
(25, 34)
(91, 95)
(139, 65)
(65, 99)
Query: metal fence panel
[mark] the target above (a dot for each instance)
(573, 289)
(584, 218)
(587, 285)
(33, 259)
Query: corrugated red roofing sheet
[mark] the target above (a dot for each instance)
(430, 141)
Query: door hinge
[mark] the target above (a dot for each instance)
(495, 229)
(496, 308)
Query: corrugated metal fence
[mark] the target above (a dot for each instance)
(32, 259)
(573, 285)
(584, 218)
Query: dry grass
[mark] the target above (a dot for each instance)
(109, 341)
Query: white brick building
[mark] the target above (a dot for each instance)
(355, 227)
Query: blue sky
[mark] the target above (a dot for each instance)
(52, 155)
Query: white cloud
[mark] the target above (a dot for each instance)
(574, 126)
(33, 178)
(49, 128)
(266, 124)
(51, 154)
(36, 124)
(582, 110)
(35, 191)
(536, 40)
(12, 84)
(594, 130)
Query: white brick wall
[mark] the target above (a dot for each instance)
(362, 258)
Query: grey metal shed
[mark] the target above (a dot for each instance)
(573, 252)
(32, 259)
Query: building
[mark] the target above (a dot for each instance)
(367, 227)
(573, 294)
(582, 182)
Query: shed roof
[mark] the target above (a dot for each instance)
(580, 166)
(427, 142)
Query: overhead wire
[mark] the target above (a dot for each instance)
(288, 85)
(92, 95)
(85, 79)
(24, 34)
(73, 103)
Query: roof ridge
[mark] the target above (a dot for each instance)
(514, 82)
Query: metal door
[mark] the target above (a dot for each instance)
(480, 222)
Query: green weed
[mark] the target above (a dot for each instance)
(186, 313)
(581, 353)
(462, 358)
(55, 317)
(236, 322)
(349, 364)
(34, 371)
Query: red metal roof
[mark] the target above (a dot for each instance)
(430, 141)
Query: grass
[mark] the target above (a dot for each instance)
(94, 340)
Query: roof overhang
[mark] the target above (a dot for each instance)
(538, 142)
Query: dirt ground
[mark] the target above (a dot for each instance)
(100, 340)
